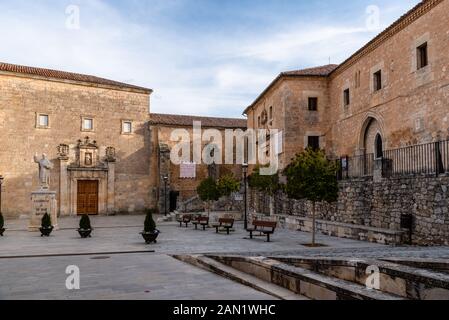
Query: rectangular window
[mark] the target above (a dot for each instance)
(313, 104)
(127, 127)
(377, 80)
(43, 121)
(346, 98)
(88, 124)
(422, 56)
(313, 142)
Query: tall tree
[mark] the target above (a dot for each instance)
(208, 191)
(312, 177)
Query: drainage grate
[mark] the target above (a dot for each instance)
(100, 258)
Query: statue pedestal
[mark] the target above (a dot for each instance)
(43, 201)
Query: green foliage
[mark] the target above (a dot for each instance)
(85, 222)
(46, 221)
(312, 177)
(149, 225)
(264, 183)
(208, 190)
(227, 184)
(2, 221)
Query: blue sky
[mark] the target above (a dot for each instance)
(201, 57)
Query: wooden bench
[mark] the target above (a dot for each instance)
(202, 221)
(224, 223)
(187, 218)
(264, 227)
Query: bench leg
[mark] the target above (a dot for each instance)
(251, 235)
(216, 229)
(187, 224)
(180, 224)
(227, 230)
(268, 237)
(196, 227)
(204, 227)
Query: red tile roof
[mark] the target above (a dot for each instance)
(187, 121)
(322, 71)
(62, 75)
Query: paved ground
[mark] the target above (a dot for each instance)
(116, 264)
(117, 277)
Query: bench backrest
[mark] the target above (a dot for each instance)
(203, 219)
(226, 221)
(265, 224)
(187, 217)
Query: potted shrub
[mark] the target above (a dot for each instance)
(150, 233)
(2, 224)
(85, 229)
(46, 227)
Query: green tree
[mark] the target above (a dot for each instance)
(227, 185)
(264, 183)
(208, 191)
(85, 222)
(312, 177)
(149, 224)
(46, 221)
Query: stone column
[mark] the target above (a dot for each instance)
(63, 187)
(111, 188)
(164, 171)
(64, 204)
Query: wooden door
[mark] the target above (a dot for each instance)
(87, 197)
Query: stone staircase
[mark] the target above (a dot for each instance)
(302, 278)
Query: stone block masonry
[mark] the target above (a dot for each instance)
(364, 203)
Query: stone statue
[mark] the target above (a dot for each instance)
(45, 166)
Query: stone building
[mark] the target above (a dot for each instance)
(391, 93)
(99, 134)
(385, 113)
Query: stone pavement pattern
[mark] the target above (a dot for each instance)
(139, 273)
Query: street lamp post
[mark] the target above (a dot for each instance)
(245, 182)
(165, 194)
(1, 182)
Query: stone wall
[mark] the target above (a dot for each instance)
(380, 205)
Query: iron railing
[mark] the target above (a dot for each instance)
(430, 158)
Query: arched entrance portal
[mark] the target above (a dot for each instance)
(372, 141)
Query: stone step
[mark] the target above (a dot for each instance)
(240, 277)
(302, 281)
(402, 280)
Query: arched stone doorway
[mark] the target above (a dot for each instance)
(372, 140)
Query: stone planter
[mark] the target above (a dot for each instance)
(45, 232)
(150, 237)
(85, 233)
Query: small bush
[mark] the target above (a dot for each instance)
(85, 222)
(149, 225)
(2, 221)
(46, 221)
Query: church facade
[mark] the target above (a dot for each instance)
(97, 133)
